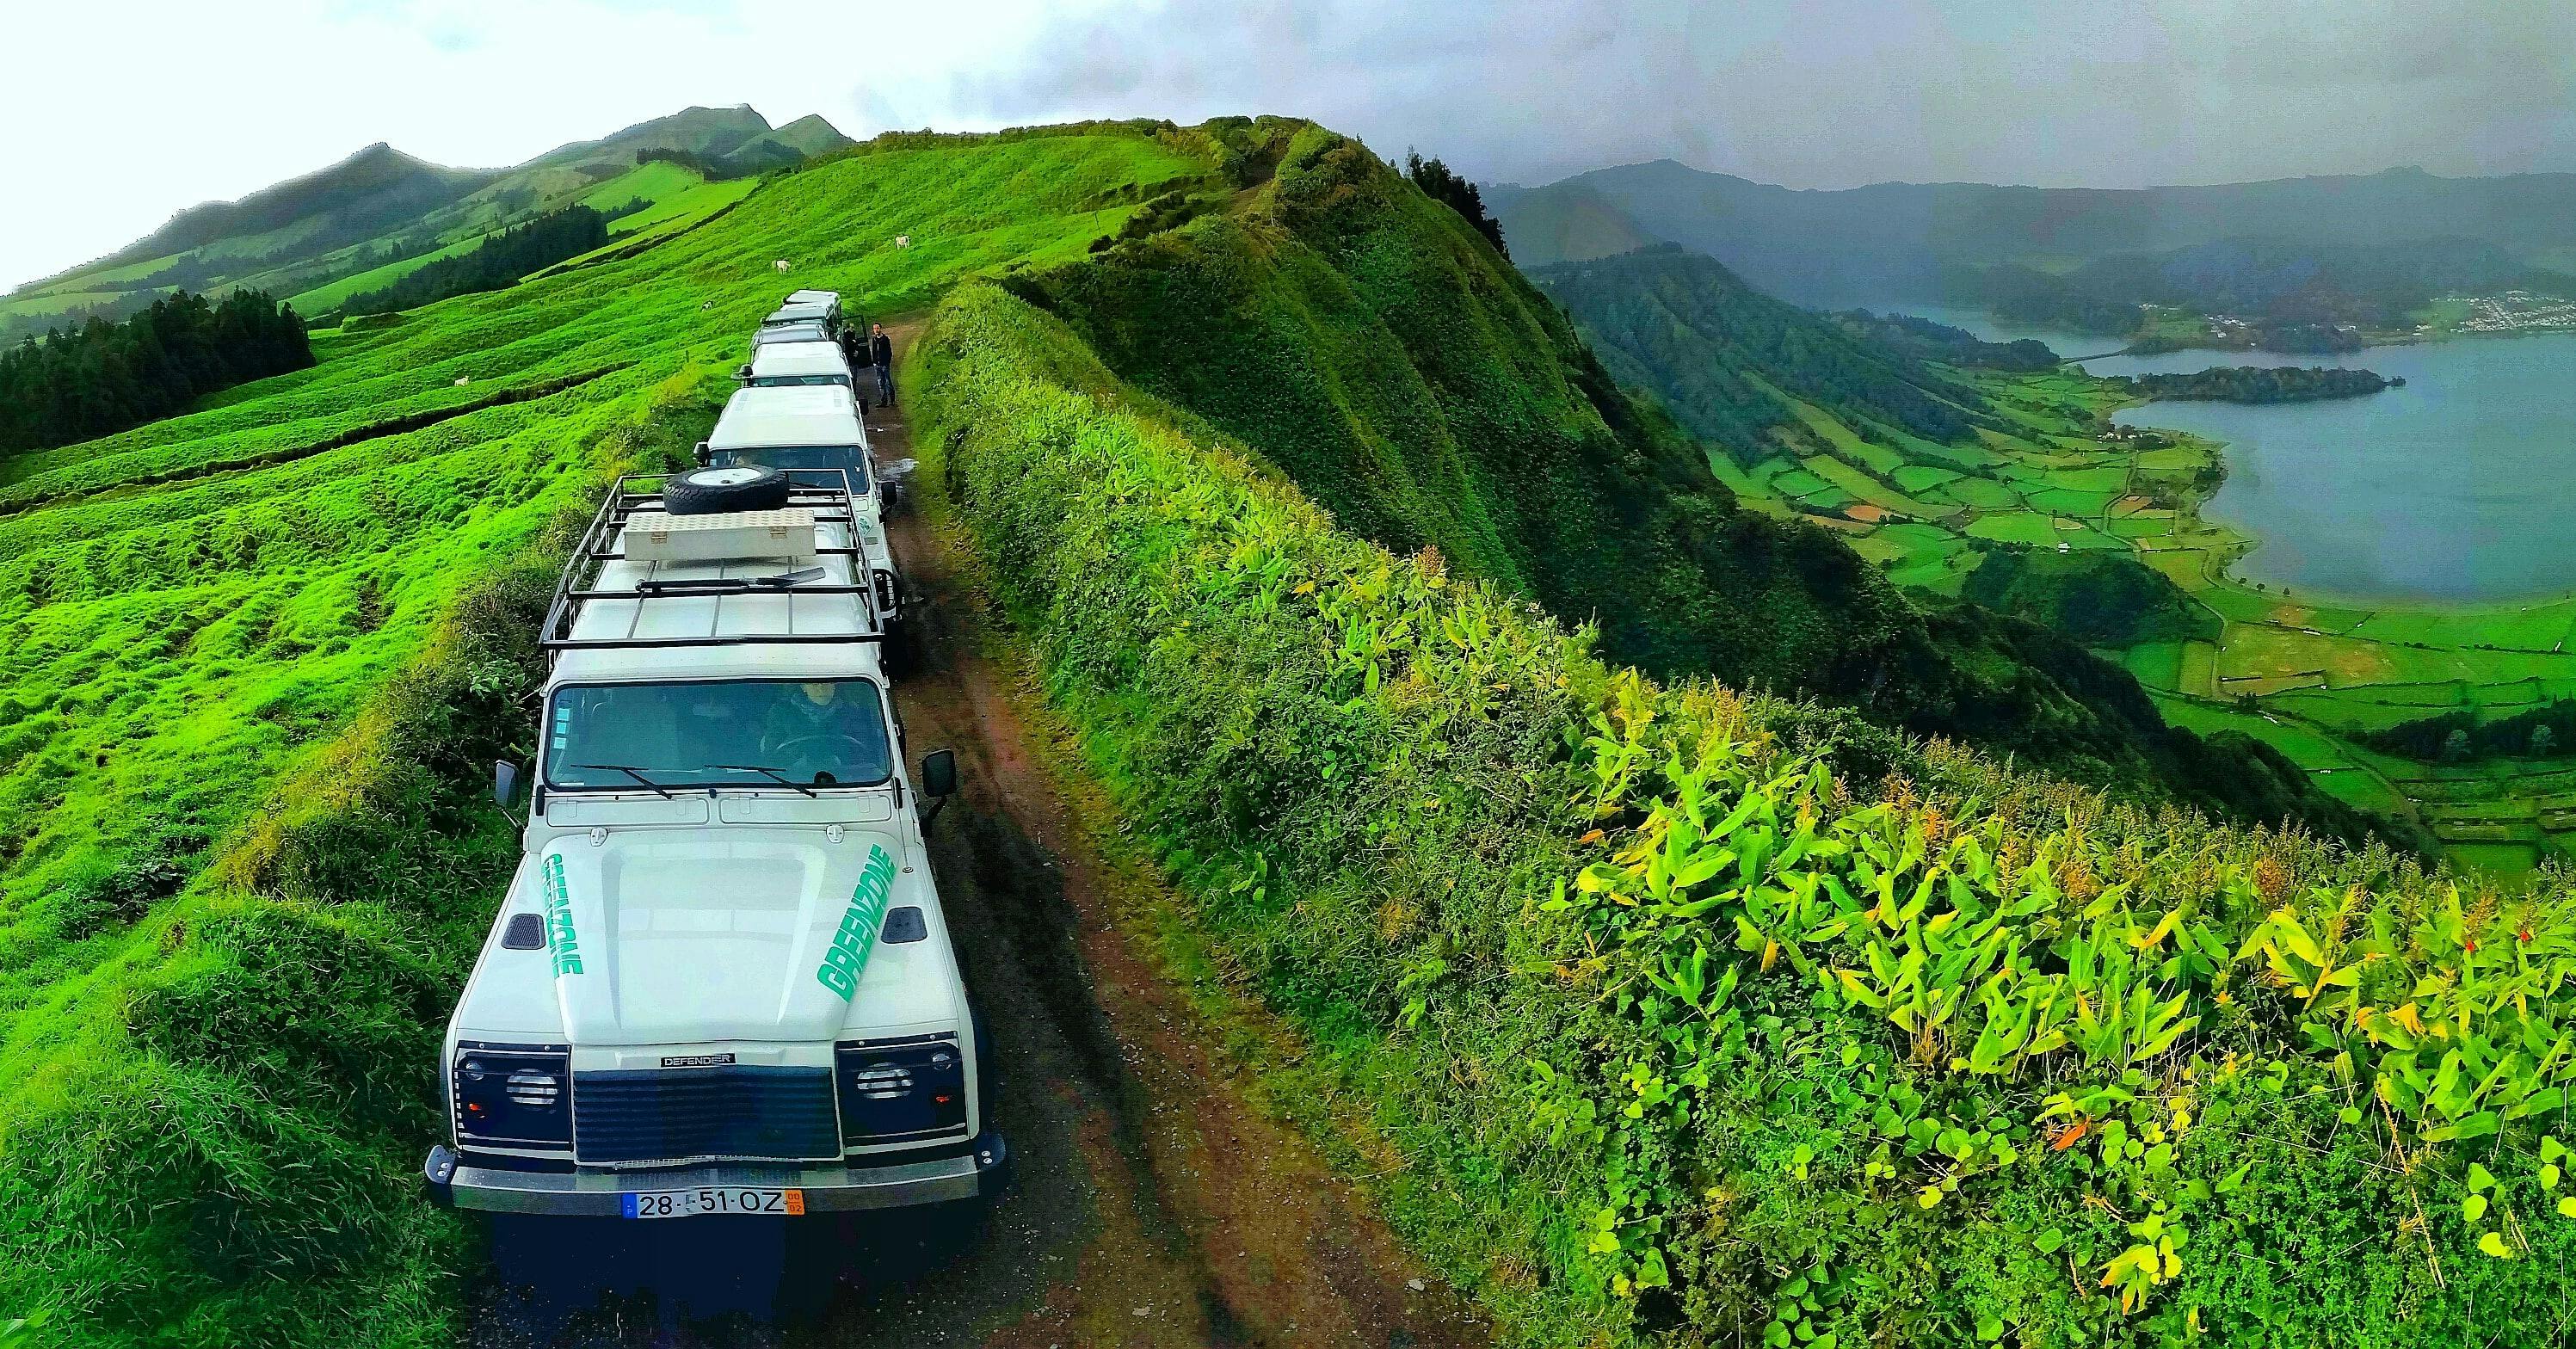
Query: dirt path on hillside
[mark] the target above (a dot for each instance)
(1154, 1204)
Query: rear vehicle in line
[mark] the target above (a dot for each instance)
(721, 981)
(789, 364)
(812, 434)
(796, 331)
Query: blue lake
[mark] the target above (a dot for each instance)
(2460, 486)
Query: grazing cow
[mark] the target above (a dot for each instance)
(903, 241)
(781, 264)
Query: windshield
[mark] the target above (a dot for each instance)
(793, 381)
(734, 733)
(788, 458)
(791, 332)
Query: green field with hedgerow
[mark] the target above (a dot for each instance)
(1690, 1015)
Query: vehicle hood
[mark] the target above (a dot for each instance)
(678, 936)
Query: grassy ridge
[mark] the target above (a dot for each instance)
(1377, 352)
(249, 660)
(1684, 1036)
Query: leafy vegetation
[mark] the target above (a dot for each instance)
(1685, 1033)
(500, 260)
(103, 377)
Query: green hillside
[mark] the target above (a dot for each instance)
(1693, 1016)
(373, 218)
(1681, 1034)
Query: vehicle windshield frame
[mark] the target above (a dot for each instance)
(816, 379)
(547, 758)
(862, 473)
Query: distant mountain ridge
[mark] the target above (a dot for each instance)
(376, 182)
(1866, 244)
(1730, 362)
(380, 207)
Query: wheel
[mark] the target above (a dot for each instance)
(735, 487)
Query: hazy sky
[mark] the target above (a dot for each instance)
(121, 112)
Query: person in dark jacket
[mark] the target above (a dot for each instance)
(854, 349)
(881, 354)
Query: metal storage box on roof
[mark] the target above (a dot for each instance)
(783, 535)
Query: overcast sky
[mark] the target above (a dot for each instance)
(120, 112)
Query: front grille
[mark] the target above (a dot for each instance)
(748, 1112)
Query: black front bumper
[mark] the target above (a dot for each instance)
(827, 1189)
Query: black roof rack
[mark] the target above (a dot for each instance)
(809, 489)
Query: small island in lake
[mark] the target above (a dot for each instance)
(2260, 384)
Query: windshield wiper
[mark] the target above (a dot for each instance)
(770, 773)
(635, 773)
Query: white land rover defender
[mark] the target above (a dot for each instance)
(720, 981)
(790, 364)
(812, 434)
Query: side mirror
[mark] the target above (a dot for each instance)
(938, 780)
(743, 373)
(505, 782)
(703, 455)
(889, 599)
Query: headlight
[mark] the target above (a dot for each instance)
(902, 1090)
(512, 1095)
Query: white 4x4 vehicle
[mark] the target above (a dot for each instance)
(788, 364)
(721, 981)
(811, 433)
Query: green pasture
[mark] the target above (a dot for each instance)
(199, 617)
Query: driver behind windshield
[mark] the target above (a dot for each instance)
(821, 735)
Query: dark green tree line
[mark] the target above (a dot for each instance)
(102, 377)
(1445, 186)
(497, 262)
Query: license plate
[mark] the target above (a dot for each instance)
(710, 1200)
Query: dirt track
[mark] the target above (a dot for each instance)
(1154, 1205)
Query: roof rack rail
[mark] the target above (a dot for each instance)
(602, 544)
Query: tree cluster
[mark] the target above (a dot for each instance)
(102, 377)
(497, 262)
(2544, 732)
(2261, 384)
(1446, 187)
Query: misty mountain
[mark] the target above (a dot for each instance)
(1886, 240)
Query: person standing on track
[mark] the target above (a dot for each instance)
(881, 354)
(854, 349)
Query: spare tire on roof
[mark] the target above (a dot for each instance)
(734, 487)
